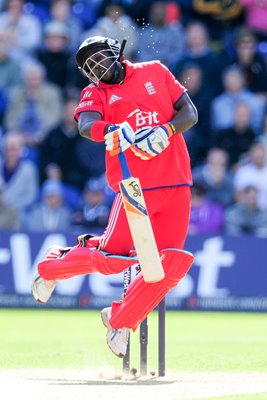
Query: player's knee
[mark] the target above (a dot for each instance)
(176, 264)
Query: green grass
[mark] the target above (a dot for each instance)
(194, 341)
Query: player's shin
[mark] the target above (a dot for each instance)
(142, 297)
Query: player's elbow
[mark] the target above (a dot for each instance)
(192, 115)
(84, 130)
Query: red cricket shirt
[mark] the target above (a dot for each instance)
(145, 98)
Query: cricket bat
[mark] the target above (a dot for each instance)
(140, 225)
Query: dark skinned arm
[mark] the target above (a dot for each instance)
(85, 122)
(186, 114)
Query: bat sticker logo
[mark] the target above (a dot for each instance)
(136, 189)
(130, 200)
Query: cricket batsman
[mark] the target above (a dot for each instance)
(139, 109)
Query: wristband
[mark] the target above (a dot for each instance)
(170, 129)
(98, 131)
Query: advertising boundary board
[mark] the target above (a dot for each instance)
(229, 274)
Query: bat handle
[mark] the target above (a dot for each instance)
(124, 166)
(122, 160)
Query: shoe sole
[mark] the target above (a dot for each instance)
(50, 248)
(33, 293)
(104, 317)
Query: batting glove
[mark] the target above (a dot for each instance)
(150, 142)
(119, 138)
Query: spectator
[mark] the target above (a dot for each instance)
(76, 80)
(251, 61)
(263, 136)
(187, 11)
(138, 10)
(221, 17)
(24, 31)
(109, 194)
(61, 146)
(199, 52)
(10, 70)
(160, 40)
(116, 25)
(206, 217)
(256, 17)
(61, 11)
(49, 214)
(198, 137)
(215, 177)
(237, 139)
(20, 176)
(34, 108)
(95, 211)
(3, 105)
(71, 194)
(39, 9)
(54, 55)
(253, 173)
(9, 217)
(173, 12)
(91, 158)
(235, 90)
(245, 217)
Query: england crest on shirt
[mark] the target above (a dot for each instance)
(150, 88)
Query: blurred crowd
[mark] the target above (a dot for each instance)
(51, 179)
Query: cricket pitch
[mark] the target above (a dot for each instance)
(104, 383)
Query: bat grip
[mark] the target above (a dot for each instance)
(123, 163)
(124, 166)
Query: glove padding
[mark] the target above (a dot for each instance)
(150, 142)
(119, 138)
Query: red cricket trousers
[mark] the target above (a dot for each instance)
(169, 211)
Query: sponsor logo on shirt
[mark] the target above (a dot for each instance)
(150, 88)
(144, 118)
(147, 118)
(86, 103)
(114, 98)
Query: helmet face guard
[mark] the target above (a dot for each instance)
(98, 57)
(95, 67)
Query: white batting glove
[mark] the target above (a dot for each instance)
(119, 139)
(150, 142)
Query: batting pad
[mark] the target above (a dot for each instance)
(142, 297)
(82, 261)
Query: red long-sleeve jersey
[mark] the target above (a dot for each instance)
(145, 98)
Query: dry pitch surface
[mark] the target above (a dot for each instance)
(64, 384)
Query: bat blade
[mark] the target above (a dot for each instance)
(141, 229)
